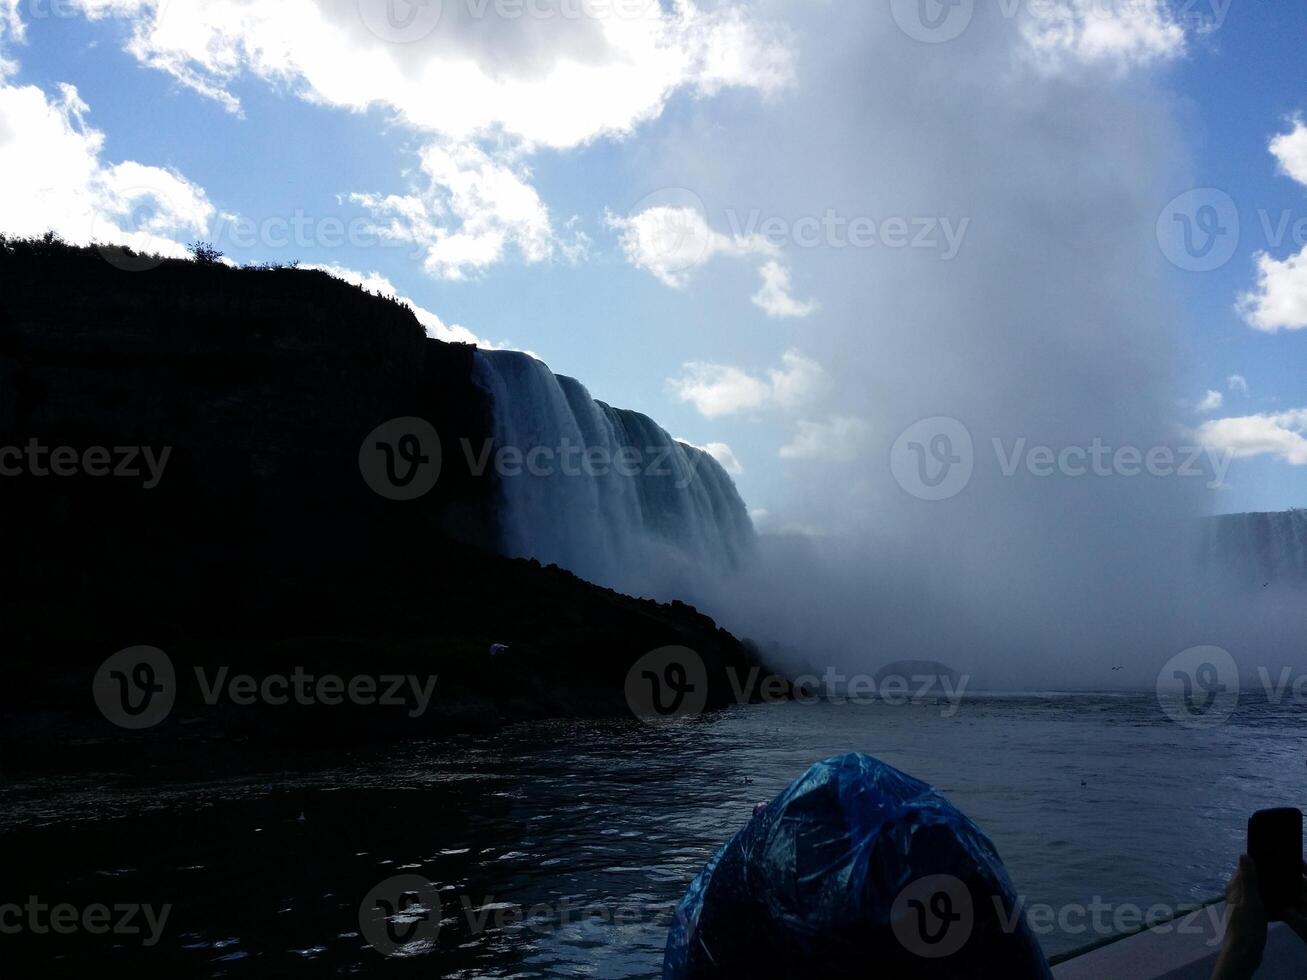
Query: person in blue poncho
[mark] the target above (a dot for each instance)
(856, 870)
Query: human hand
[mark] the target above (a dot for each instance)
(1245, 927)
(1296, 915)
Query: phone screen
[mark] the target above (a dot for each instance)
(1275, 845)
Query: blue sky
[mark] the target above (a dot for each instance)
(1234, 93)
(607, 226)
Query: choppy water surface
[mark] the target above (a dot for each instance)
(559, 849)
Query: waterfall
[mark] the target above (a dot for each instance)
(1261, 548)
(603, 492)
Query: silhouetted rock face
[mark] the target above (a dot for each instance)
(262, 541)
(264, 384)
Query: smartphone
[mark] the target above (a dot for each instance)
(1275, 845)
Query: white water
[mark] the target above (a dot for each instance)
(1260, 548)
(603, 492)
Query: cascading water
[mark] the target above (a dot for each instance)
(603, 492)
(1261, 548)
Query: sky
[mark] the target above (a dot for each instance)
(788, 230)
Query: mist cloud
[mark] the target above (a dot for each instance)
(1052, 327)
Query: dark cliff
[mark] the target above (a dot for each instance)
(262, 547)
(264, 384)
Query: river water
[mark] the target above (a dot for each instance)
(559, 849)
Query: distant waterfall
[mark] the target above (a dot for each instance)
(603, 492)
(1261, 548)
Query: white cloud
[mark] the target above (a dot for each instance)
(775, 297)
(1213, 401)
(552, 73)
(464, 71)
(11, 30)
(672, 242)
(379, 285)
(472, 210)
(10, 21)
(1279, 301)
(55, 179)
(1282, 436)
(1062, 34)
(1291, 150)
(722, 389)
(797, 381)
(719, 389)
(575, 247)
(721, 452)
(1237, 382)
(837, 439)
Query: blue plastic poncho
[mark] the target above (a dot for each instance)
(856, 870)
